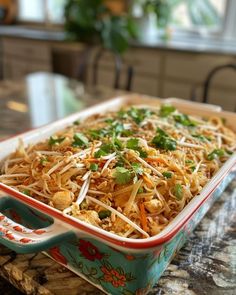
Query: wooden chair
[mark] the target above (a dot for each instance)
(119, 64)
(75, 65)
(208, 81)
(211, 75)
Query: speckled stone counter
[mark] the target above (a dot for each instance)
(205, 265)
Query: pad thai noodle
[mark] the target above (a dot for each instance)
(129, 172)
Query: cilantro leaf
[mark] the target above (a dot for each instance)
(80, 140)
(166, 110)
(217, 153)
(104, 150)
(122, 175)
(163, 141)
(138, 115)
(133, 144)
(184, 120)
(53, 141)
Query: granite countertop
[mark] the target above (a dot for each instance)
(205, 265)
(177, 43)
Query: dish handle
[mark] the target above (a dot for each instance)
(23, 239)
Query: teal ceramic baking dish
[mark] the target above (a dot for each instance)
(114, 264)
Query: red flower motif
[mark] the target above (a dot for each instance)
(39, 231)
(114, 277)
(10, 236)
(56, 254)
(18, 228)
(89, 251)
(25, 240)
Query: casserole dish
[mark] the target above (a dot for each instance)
(114, 264)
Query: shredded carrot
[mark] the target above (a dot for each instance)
(148, 181)
(157, 160)
(143, 217)
(92, 160)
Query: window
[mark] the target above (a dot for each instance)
(198, 15)
(48, 11)
(216, 18)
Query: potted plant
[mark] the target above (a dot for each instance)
(94, 23)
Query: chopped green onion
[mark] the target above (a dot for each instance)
(167, 174)
(104, 214)
(163, 141)
(178, 191)
(53, 141)
(217, 153)
(26, 192)
(140, 190)
(43, 161)
(77, 122)
(93, 167)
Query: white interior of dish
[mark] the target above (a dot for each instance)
(9, 146)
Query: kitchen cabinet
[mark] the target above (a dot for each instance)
(157, 71)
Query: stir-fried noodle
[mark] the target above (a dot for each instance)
(128, 172)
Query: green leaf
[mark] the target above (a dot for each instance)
(164, 142)
(122, 175)
(137, 168)
(53, 141)
(43, 161)
(138, 115)
(104, 214)
(229, 152)
(178, 191)
(189, 161)
(77, 122)
(140, 190)
(192, 168)
(80, 140)
(166, 110)
(217, 153)
(184, 120)
(104, 150)
(93, 167)
(167, 174)
(132, 143)
(97, 133)
(161, 132)
(26, 192)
